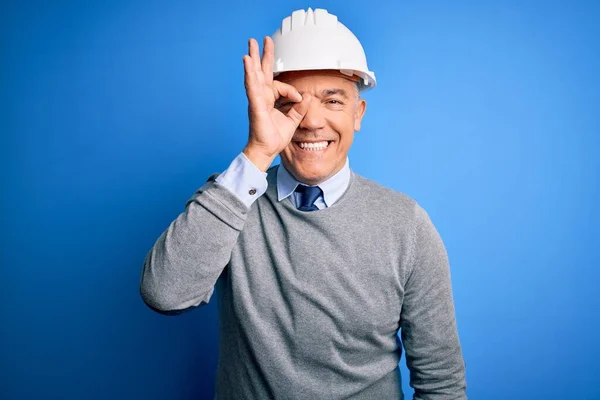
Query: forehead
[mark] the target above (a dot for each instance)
(317, 80)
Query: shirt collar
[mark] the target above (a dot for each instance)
(333, 188)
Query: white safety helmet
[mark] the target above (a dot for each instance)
(316, 40)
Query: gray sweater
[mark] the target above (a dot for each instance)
(310, 303)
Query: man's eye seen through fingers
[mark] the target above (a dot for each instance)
(283, 104)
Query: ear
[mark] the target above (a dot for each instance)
(359, 113)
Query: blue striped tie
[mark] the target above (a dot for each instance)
(308, 195)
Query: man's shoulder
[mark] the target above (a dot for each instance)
(380, 194)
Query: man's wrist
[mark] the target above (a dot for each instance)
(258, 158)
(244, 179)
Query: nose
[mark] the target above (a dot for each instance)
(314, 118)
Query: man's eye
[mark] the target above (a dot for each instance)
(283, 105)
(335, 102)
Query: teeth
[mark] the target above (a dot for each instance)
(313, 146)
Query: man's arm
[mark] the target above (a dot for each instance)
(182, 267)
(427, 321)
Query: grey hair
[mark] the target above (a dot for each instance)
(357, 89)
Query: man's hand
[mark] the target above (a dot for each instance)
(270, 129)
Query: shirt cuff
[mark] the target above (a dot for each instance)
(244, 179)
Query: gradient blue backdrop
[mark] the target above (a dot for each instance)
(113, 113)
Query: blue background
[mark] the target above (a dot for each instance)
(113, 113)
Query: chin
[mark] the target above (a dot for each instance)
(312, 179)
(311, 176)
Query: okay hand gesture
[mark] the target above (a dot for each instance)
(271, 130)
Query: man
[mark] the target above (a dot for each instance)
(316, 268)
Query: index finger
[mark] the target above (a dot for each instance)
(281, 89)
(268, 59)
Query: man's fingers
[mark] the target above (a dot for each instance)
(253, 52)
(267, 59)
(254, 90)
(249, 73)
(281, 89)
(298, 111)
(258, 78)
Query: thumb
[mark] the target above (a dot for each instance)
(298, 111)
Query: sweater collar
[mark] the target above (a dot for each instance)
(333, 188)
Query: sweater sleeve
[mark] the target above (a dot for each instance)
(427, 320)
(182, 267)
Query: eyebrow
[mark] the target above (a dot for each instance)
(332, 92)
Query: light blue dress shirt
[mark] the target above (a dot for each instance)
(248, 183)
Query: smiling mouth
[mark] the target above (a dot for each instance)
(314, 146)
